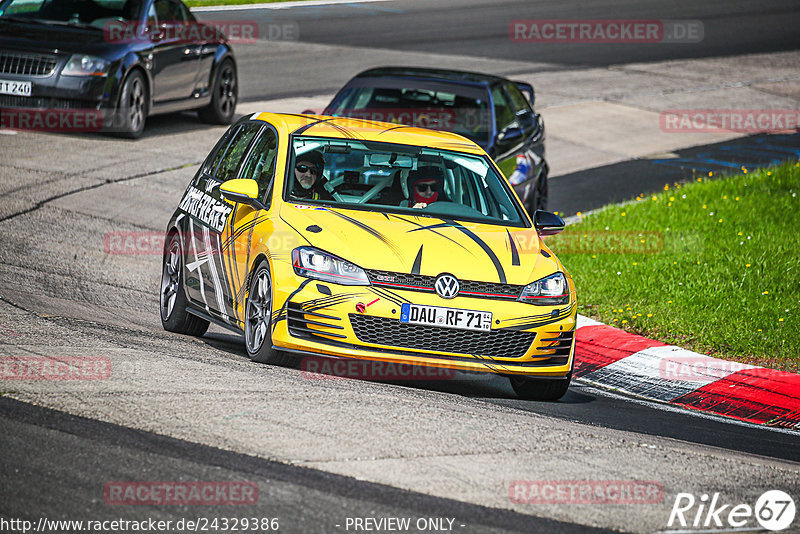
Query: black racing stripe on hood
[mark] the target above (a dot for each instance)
(417, 261)
(422, 227)
(488, 250)
(481, 243)
(514, 253)
(385, 240)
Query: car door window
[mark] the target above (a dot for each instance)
(519, 103)
(503, 116)
(186, 15)
(520, 106)
(166, 12)
(236, 149)
(260, 163)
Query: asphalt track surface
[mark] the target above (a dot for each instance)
(480, 29)
(55, 464)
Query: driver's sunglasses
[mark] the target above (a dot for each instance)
(307, 168)
(432, 187)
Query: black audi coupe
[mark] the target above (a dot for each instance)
(120, 59)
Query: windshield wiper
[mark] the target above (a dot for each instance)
(12, 18)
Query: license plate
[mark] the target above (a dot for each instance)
(8, 87)
(446, 317)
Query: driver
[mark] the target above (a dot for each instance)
(309, 181)
(425, 186)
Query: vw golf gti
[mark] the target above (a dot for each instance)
(345, 238)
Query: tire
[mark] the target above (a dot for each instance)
(224, 95)
(540, 389)
(258, 319)
(172, 300)
(132, 111)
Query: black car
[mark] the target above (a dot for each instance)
(494, 112)
(122, 59)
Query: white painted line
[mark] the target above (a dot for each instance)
(613, 393)
(663, 373)
(585, 321)
(281, 5)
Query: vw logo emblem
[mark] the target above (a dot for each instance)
(446, 286)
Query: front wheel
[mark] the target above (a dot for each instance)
(540, 389)
(132, 110)
(174, 316)
(258, 319)
(223, 96)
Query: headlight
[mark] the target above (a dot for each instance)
(80, 65)
(548, 291)
(313, 263)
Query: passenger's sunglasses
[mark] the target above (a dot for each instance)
(306, 168)
(422, 188)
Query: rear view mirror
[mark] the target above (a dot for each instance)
(402, 161)
(547, 223)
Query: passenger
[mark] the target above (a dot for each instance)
(309, 181)
(425, 186)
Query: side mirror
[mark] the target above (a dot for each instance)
(547, 223)
(242, 190)
(510, 135)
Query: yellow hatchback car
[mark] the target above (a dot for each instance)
(342, 238)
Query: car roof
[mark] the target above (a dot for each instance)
(365, 130)
(457, 76)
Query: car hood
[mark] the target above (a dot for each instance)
(57, 37)
(430, 246)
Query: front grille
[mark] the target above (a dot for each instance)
(468, 288)
(27, 63)
(499, 343)
(14, 101)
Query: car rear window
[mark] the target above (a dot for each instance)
(460, 109)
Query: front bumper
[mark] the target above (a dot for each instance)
(363, 322)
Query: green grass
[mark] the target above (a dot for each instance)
(716, 268)
(203, 3)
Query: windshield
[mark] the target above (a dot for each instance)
(94, 12)
(398, 178)
(448, 107)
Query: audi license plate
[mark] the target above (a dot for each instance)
(446, 317)
(8, 87)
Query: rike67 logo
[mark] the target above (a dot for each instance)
(774, 510)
